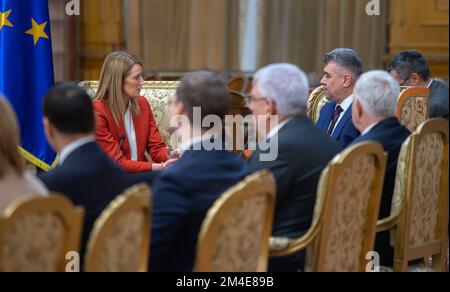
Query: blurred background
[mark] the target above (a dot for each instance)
(239, 36)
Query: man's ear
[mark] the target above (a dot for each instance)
(415, 79)
(271, 107)
(47, 128)
(348, 80)
(357, 108)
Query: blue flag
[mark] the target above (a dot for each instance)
(26, 72)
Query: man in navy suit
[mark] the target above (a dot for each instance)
(342, 69)
(294, 150)
(183, 193)
(84, 173)
(410, 68)
(374, 110)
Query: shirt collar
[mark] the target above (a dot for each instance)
(431, 82)
(188, 144)
(69, 149)
(367, 130)
(278, 127)
(346, 103)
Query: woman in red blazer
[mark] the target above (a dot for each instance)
(125, 126)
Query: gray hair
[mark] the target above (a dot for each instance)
(378, 92)
(347, 59)
(286, 85)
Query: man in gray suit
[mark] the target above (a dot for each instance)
(409, 68)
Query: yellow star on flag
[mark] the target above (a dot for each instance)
(37, 30)
(4, 19)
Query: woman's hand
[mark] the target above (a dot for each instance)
(173, 154)
(163, 165)
(169, 163)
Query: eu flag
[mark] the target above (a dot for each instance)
(26, 72)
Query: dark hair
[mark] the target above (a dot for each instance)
(345, 58)
(69, 108)
(206, 90)
(408, 62)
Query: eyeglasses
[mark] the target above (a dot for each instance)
(250, 98)
(403, 83)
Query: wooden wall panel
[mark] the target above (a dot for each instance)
(102, 31)
(421, 25)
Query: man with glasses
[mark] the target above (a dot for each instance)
(410, 68)
(278, 102)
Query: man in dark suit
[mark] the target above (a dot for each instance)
(410, 68)
(84, 173)
(295, 151)
(183, 193)
(342, 69)
(374, 110)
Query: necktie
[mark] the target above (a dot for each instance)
(337, 112)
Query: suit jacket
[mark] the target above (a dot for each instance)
(344, 132)
(438, 100)
(303, 152)
(89, 178)
(391, 134)
(182, 195)
(147, 137)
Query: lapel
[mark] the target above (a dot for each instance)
(338, 129)
(326, 116)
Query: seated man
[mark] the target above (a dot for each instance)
(279, 97)
(374, 109)
(183, 193)
(342, 68)
(85, 174)
(409, 68)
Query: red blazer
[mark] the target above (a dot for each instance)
(147, 137)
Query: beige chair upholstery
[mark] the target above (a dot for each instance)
(120, 239)
(235, 233)
(413, 107)
(36, 234)
(317, 99)
(345, 214)
(157, 93)
(419, 215)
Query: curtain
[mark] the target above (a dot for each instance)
(190, 34)
(196, 34)
(302, 31)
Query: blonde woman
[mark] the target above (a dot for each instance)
(15, 182)
(126, 128)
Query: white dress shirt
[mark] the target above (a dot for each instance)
(131, 134)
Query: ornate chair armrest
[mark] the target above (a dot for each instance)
(387, 223)
(278, 243)
(282, 246)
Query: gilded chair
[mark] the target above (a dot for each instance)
(317, 99)
(120, 238)
(37, 234)
(238, 83)
(345, 213)
(413, 107)
(157, 93)
(419, 214)
(234, 236)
